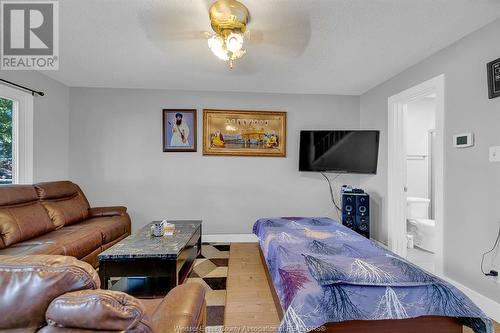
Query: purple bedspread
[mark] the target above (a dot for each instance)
(324, 272)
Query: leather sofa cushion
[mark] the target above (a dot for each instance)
(110, 244)
(56, 190)
(17, 194)
(107, 211)
(30, 283)
(32, 248)
(111, 228)
(64, 201)
(22, 221)
(75, 241)
(99, 310)
(92, 259)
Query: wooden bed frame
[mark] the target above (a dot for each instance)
(428, 324)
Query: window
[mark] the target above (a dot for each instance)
(6, 140)
(16, 136)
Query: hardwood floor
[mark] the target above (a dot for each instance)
(249, 301)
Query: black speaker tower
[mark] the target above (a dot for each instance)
(356, 210)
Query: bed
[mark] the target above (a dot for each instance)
(327, 278)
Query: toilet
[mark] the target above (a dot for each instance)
(419, 225)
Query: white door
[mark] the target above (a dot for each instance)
(397, 171)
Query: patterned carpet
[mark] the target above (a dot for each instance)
(210, 270)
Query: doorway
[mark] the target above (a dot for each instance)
(416, 170)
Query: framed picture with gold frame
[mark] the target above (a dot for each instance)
(244, 133)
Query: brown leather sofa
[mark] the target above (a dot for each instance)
(56, 218)
(56, 294)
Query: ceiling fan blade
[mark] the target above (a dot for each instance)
(161, 26)
(287, 30)
(254, 36)
(290, 41)
(186, 35)
(177, 36)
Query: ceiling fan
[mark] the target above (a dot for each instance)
(229, 19)
(276, 30)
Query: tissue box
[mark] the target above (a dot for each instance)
(168, 229)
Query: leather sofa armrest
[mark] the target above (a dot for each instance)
(107, 211)
(182, 310)
(28, 284)
(99, 310)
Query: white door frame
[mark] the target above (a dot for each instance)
(396, 185)
(22, 134)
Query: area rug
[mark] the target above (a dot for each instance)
(210, 270)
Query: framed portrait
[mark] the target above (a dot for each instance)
(244, 133)
(179, 130)
(494, 79)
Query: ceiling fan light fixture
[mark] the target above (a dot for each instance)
(234, 42)
(229, 19)
(217, 46)
(238, 54)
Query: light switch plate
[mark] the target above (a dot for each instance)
(495, 154)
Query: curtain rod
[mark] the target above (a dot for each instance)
(33, 92)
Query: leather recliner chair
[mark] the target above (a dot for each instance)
(60, 294)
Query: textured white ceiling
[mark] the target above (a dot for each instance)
(299, 46)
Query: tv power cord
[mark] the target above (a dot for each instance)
(492, 273)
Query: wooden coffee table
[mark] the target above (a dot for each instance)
(150, 266)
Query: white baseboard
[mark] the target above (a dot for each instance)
(232, 238)
(489, 306)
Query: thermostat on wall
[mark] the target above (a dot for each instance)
(463, 140)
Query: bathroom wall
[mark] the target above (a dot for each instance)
(421, 119)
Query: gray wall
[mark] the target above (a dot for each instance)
(472, 190)
(116, 156)
(51, 124)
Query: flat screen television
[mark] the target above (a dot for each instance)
(342, 151)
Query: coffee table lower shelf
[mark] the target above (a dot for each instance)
(146, 273)
(145, 277)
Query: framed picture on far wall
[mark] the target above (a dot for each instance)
(494, 78)
(179, 130)
(244, 133)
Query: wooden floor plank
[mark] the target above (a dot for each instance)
(249, 301)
